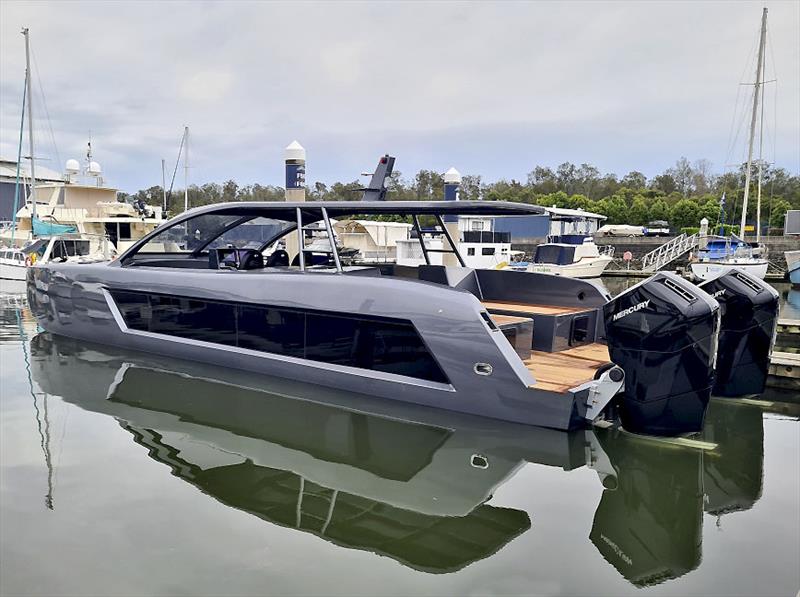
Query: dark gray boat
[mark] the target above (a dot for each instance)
(523, 347)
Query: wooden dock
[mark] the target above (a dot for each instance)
(784, 366)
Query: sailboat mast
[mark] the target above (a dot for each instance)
(186, 171)
(760, 167)
(753, 119)
(30, 123)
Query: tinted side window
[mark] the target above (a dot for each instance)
(377, 344)
(271, 330)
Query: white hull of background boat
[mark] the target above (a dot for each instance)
(13, 272)
(711, 270)
(588, 268)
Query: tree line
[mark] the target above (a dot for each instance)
(682, 195)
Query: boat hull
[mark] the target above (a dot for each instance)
(76, 301)
(710, 270)
(793, 266)
(11, 272)
(593, 268)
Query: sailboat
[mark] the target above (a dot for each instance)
(80, 206)
(719, 255)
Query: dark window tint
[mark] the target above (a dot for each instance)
(487, 251)
(470, 251)
(375, 343)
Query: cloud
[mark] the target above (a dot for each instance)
(493, 88)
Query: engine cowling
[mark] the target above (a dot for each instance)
(749, 309)
(663, 333)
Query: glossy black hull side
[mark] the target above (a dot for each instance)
(749, 310)
(663, 333)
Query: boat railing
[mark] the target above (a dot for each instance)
(606, 250)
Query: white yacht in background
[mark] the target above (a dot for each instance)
(478, 243)
(77, 207)
(80, 203)
(570, 249)
(73, 248)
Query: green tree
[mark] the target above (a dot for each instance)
(685, 213)
(634, 180)
(617, 210)
(711, 211)
(659, 210)
(664, 183)
(779, 209)
(638, 213)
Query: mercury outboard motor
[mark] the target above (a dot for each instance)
(749, 310)
(663, 333)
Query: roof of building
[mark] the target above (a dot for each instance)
(8, 171)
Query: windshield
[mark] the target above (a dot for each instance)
(211, 231)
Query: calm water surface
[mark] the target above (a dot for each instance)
(126, 474)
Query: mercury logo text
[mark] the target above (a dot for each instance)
(630, 310)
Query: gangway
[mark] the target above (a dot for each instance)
(669, 252)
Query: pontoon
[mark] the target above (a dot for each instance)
(523, 347)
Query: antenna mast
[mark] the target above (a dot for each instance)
(747, 175)
(186, 171)
(30, 123)
(163, 186)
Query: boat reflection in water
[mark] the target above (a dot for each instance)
(400, 480)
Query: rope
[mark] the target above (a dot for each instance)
(19, 160)
(46, 111)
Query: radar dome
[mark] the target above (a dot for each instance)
(73, 167)
(94, 169)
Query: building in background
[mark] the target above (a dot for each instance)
(8, 181)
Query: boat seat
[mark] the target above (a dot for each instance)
(518, 331)
(232, 258)
(279, 258)
(555, 327)
(314, 259)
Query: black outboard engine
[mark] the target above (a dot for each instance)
(749, 310)
(663, 333)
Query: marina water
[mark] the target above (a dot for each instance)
(123, 474)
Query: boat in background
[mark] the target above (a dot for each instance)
(793, 266)
(570, 249)
(73, 248)
(74, 207)
(722, 255)
(729, 254)
(81, 203)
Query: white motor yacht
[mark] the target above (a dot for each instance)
(570, 249)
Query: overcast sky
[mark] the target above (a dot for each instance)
(491, 88)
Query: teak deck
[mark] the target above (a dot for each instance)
(523, 308)
(506, 320)
(553, 371)
(560, 371)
